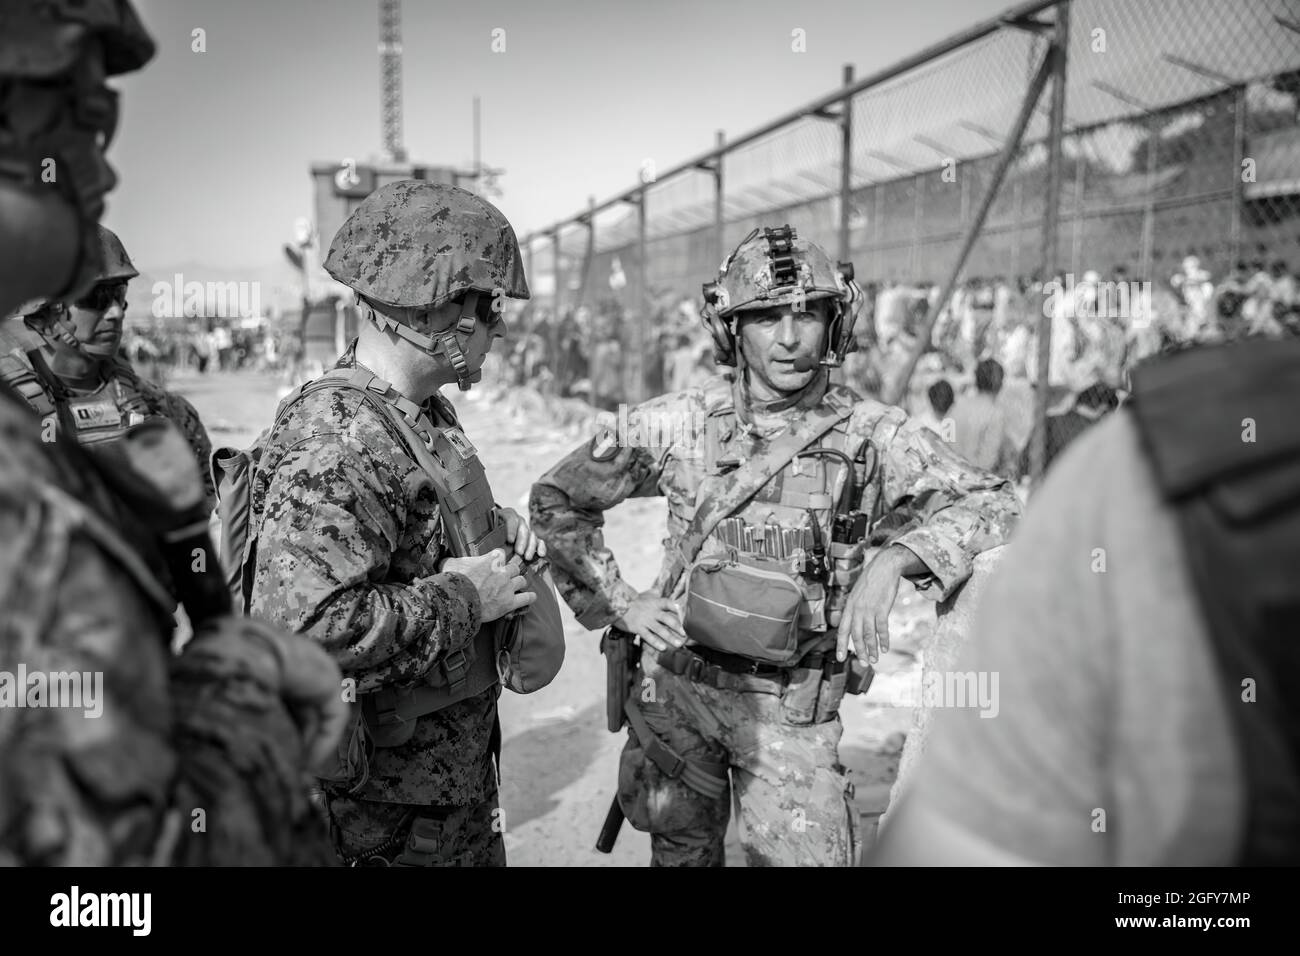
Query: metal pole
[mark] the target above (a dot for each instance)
(642, 316)
(588, 255)
(1149, 208)
(893, 393)
(1076, 238)
(1051, 213)
(1018, 200)
(914, 257)
(559, 284)
(553, 329)
(846, 163)
(719, 225)
(1238, 186)
(880, 252)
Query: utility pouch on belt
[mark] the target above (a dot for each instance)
(739, 604)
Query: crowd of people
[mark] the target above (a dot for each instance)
(1102, 327)
(160, 350)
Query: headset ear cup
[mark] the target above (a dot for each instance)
(724, 344)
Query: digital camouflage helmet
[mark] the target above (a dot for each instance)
(412, 246)
(69, 115)
(773, 268)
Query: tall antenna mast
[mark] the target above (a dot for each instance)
(390, 77)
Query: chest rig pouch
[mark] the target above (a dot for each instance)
(524, 650)
(96, 419)
(746, 590)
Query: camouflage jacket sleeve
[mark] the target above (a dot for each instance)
(185, 416)
(567, 508)
(241, 757)
(331, 521)
(950, 509)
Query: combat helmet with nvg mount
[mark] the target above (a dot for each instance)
(778, 268)
(413, 246)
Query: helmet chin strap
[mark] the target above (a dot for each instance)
(55, 329)
(444, 343)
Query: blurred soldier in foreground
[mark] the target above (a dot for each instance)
(78, 382)
(777, 484)
(378, 537)
(106, 758)
(1143, 628)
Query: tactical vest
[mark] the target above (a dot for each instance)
(96, 418)
(469, 520)
(1220, 429)
(793, 517)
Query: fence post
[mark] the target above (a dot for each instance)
(846, 165)
(634, 360)
(559, 284)
(1149, 207)
(1238, 184)
(719, 224)
(894, 391)
(589, 254)
(1051, 239)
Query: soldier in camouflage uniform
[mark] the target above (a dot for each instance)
(92, 547)
(79, 382)
(353, 550)
(717, 706)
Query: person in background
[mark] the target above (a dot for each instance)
(980, 425)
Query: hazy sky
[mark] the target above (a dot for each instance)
(214, 147)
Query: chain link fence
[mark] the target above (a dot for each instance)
(1178, 180)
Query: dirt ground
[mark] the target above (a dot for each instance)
(559, 763)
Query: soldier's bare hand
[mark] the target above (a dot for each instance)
(501, 587)
(654, 619)
(865, 619)
(527, 545)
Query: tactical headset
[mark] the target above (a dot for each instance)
(717, 318)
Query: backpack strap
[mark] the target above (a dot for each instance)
(23, 378)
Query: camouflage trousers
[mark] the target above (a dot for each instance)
(369, 833)
(792, 796)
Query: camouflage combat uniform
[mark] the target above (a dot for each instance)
(349, 545)
(190, 759)
(782, 754)
(98, 416)
(748, 706)
(352, 534)
(122, 396)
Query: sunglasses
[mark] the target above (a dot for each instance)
(103, 297)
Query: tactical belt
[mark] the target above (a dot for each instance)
(703, 665)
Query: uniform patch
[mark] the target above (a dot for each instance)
(604, 446)
(97, 414)
(456, 438)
